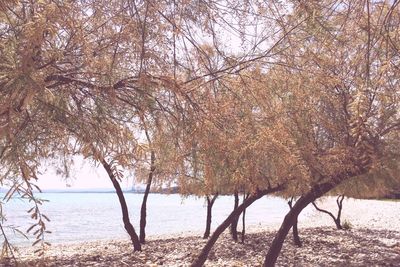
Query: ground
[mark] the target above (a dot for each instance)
(373, 240)
(322, 246)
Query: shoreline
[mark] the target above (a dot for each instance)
(322, 246)
(373, 240)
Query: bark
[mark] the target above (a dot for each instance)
(337, 219)
(339, 202)
(236, 220)
(290, 218)
(210, 203)
(338, 225)
(125, 214)
(143, 209)
(202, 257)
(208, 220)
(296, 237)
(244, 218)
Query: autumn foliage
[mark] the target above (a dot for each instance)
(295, 98)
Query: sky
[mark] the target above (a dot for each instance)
(83, 176)
(87, 176)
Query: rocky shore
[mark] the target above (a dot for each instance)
(373, 240)
(321, 247)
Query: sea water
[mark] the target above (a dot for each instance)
(79, 217)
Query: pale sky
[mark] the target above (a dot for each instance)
(86, 176)
(83, 176)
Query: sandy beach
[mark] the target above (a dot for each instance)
(373, 240)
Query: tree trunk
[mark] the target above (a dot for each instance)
(210, 203)
(338, 224)
(244, 218)
(339, 202)
(125, 214)
(296, 237)
(202, 257)
(208, 220)
(143, 209)
(290, 219)
(236, 220)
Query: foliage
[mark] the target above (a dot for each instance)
(245, 95)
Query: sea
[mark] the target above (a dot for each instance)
(82, 216)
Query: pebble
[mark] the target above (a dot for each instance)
(359, 247)
(374, 240)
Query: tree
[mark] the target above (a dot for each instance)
(245, 196)
(145, 196)
(48, 81)
(349, 95)
(58, 69)
(210, 203)
(307, 104)
(233, 228)
(339, 202)
(149, 180)
(296, 237)
(202, 257)
(125, 213)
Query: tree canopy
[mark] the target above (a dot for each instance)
(230, 95)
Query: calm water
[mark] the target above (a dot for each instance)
(92, 216)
